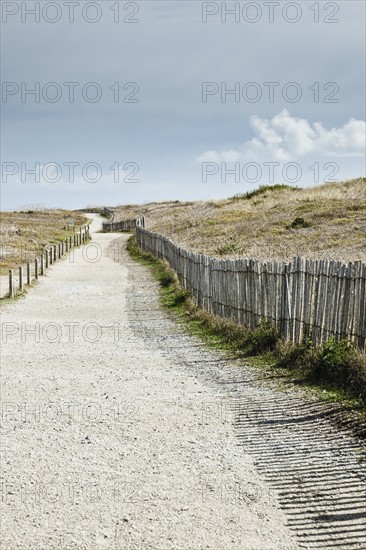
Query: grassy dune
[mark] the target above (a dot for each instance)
(273, 222)
(25, 234)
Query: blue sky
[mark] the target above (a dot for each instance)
(177, 135)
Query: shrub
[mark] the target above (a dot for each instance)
(166, 280)
(335, 363)
(299, 223)
(179, 297)
(293, 356)
(261, 339)
(331, 361)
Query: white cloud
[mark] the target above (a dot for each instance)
(286, 138)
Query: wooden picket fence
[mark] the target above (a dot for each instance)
(124, 225)
(102, 210)
(26, 274)
(306, 298)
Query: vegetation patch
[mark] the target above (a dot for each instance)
(262, 190)
(299, 223)
(336, 365)
(24, 235)
(229, 248)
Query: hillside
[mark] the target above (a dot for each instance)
(24, 234)
(272, 222)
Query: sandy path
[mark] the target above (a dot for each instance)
(108, 440)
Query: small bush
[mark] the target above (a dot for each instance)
(292, 356)
(179, 297)
(166, 280)
(335, 363)
(331, 361)
(261, 339)
(299, 223)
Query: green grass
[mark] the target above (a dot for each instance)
(334, 372)
(263, 190)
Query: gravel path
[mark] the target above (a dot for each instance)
(119, 431)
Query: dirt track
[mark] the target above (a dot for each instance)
(119, 431)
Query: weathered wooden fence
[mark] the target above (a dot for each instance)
(124, 225)
(102, 210)
(305, 298)
(25, 274)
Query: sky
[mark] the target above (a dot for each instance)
(115, 102)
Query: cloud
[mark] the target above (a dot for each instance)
(286, 138)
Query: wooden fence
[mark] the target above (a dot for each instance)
(103, 211)
(124, 225)
(33, 270)
(306, 298)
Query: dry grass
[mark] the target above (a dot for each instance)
(260, 225)
(25, 234)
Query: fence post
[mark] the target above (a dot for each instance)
(46, 258)
(21, 278)
(36, 268)
(11, 283)
(54, 253)
(28, 273)
(42, 264)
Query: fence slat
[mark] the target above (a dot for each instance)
(11, 283)
(21, 285)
